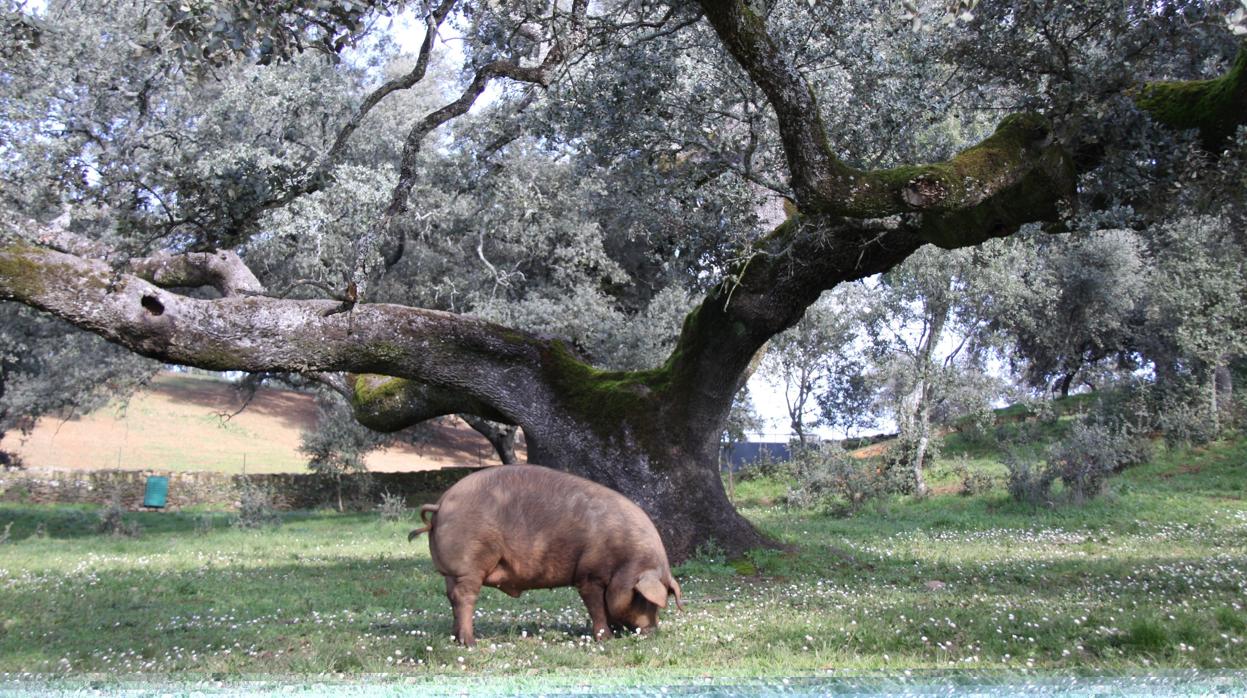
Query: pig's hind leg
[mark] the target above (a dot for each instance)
(463, 590)
(594, 596)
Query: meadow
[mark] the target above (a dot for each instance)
(1152, 575)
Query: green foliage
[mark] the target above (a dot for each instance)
(338, 444)
(828, 478)
(255, 507)
(900, 468)
(1082, 460)
(215, 34)
(974, 482)
(814, 362)
(1090, 454)
(50, 368)
(1027, 481)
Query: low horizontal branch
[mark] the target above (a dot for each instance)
(388, 404)
(486, 363)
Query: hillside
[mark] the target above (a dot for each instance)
(177, 424)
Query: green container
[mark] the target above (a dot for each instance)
(157, 491)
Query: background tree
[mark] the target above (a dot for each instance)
(928, 327)
(806, 358)
(338, 446)
(1072, 304)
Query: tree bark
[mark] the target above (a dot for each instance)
(1066, 382)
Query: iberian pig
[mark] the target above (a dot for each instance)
(518, 527)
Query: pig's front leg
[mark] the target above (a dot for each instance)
(594, 596)
(463, 592)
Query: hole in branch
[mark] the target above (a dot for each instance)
(153, 305)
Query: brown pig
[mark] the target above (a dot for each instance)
(518, 527)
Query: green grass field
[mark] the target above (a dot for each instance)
(1152, 575)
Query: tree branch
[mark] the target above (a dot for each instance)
(1019, 152)
(492, 370)
(223, 270)
(315, 180)
(500, 436)
(1215, 107)
(1018, 173)
(538, 75)
(389, 404)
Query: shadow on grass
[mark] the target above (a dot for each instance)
(76, 521)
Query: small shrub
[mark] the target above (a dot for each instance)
(1090, 454)
(4, 537)
(1083, 460)
(113, 522)
(1027, 481)
(830, 478)
(1184, 424)
(255, 506)
(898, 471)
(11, 461)
(973, 482)
(393, 507)
(204, 524)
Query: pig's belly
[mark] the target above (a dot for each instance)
(512, 579)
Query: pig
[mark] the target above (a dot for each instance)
(519, 527)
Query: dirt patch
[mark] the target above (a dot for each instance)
(1187, 469)
(871, 451)
(180, 424)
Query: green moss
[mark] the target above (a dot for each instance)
(388, 352)
(1035, 197)
(373, 390)
(1215, 107)
(945, 186)
(609, 401)
(24, 275)
(382, 402)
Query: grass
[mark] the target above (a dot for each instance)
(1152, 575)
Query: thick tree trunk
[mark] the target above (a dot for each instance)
(681, 491)
(645, 435)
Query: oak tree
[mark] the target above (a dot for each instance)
(192, 141)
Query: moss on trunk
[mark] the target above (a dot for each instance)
(1215, 107)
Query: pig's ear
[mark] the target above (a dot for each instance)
(652, 588)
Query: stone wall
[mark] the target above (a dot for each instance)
(290, 491)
